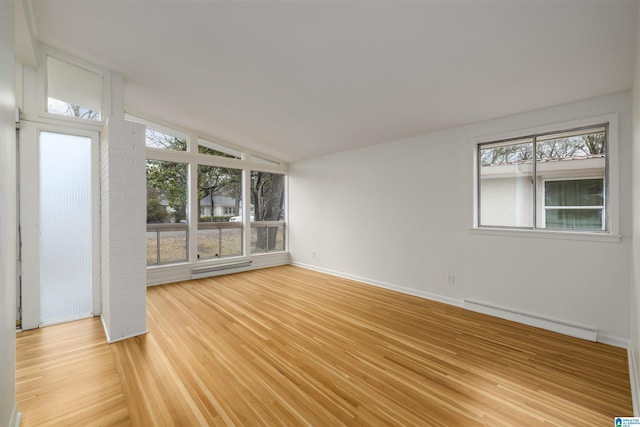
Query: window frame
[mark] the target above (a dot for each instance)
(213, 145)
(193, 158)
(270, 223)
(612, 232)
(42, 92)
(603, 207)
(168, 226)
(202, 227)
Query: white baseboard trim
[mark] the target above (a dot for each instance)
(554, 325)
(67, 319)
(105, 329)
(401, 289)
(603, 338)
(613, 340)
(124, 337)
(633, 379)
(160, 275)
(16, 417)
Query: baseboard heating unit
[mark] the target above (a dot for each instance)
(532, 320)
(210, 270)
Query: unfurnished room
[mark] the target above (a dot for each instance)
(319, 213)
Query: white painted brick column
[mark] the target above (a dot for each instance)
(123, 229)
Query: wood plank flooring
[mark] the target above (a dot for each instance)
(66, 376)
(288, 346)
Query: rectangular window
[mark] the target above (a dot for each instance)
(167, 227)
(574, 204)
(213, 149)
(506, 189)
(197, 196)
(260, 159)
(562, 187)
(220, 197)
(166, 141)
(73, 91)
(267, 200)
(161, 137)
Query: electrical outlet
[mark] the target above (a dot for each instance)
(313, 254)
(451, 279)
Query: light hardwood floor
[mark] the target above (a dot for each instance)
(66, 376)
(288, 346)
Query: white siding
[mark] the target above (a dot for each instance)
(506, 202)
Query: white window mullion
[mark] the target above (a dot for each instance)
(534, 182)
(246, 212)
(194, 201)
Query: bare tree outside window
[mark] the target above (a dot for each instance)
(267, 198)
(56, 106)
(552, 180)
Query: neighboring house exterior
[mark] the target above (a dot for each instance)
(222, 206)
(569, 189)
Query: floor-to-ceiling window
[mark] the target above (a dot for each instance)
(207, 201)
(267, 198)
(219, 212)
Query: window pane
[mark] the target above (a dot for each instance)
(220, 193)
(173, 245)
(73, 91)
(506, 186)
(581, 144)
(166, 243)
(152, 247)
(157, 139)
(220, 212)
(267, 196)
(213, 149)
(274, 235)
(267, 200)
(569, 171)
(574, 219)
(166, 212)
(263, 160)
(219, 242)
(583, 192)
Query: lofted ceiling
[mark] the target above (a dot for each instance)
(298, 79)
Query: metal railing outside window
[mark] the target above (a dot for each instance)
(167, 243)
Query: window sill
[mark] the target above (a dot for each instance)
(269, 253)
(544, 234)
(178, 264)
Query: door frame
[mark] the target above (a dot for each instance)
(19, 239)
(29, 165)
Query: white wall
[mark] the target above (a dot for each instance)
(8, 414)
(123, 232)
(634, 299)
(338, 213)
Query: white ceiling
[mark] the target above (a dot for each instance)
(297, 79)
